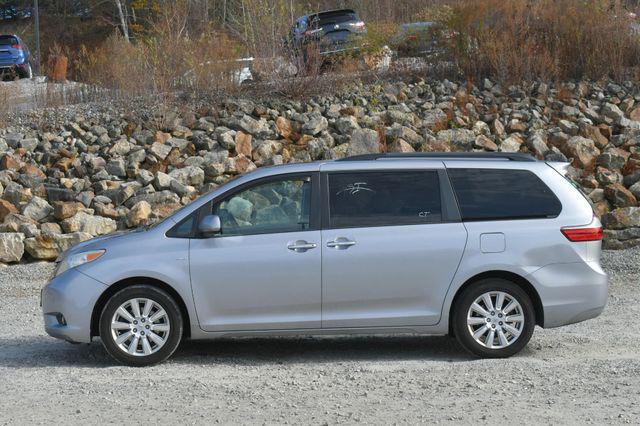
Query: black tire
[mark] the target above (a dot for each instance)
(27, 73)
(463, 304)
(158, 296)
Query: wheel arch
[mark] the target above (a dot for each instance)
(119, 285)
(519, 280)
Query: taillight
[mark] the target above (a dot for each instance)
(16, 46)
(582, 234)
(359, 25)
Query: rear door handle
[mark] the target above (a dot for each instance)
(341, 243)
(301, 246)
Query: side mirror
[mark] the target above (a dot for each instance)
(210, 225)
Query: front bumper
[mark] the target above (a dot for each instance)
(67, 305)
(571, 292)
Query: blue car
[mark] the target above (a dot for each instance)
(15, 58)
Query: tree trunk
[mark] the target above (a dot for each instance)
(123, 20)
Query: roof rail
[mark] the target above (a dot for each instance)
(511, 156)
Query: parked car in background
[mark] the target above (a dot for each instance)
(327, 34)
(15, 58)
(417, 39)
(482, 246)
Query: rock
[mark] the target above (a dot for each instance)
(537, 144)
(139, 214)
(363, 141)
(400, 145)
(243, 144)
(37, 209)
(50, 228)
(619, 195)
(435, 119)
(511, 144)
(63, 210)
(346, 125)
(612, 111)
(13, 222)
(635, 190)
(483, 142)
(49, 246)
(159, 150)
(460, 138)
(116, 167)
(6, 208)
(315, 124)
(568, 127)
(162, 181)
(266, 150)
(621, 218)
(582, 150)
(190, 175)
(284, 127)
(595, 134)
(86, 223)
(11, 247)
(257, 128)
(614, 159)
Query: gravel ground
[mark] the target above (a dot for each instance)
(584, 373)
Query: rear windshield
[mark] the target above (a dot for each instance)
(7, 41)
(332, 18)
(490, 194)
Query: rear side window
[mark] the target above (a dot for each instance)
(384, 198)
(490, 194)
(8, 41)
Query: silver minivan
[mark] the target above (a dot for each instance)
(480, 246)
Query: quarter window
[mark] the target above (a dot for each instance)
(490, 194)
(384, 198)
(276, 206)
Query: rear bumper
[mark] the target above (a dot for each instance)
(571, 292)
(67, 305)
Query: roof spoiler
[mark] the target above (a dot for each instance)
(561, 167)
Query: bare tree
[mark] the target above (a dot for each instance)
(123, 20)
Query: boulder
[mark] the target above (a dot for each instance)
(621, 218)
(11, 247)
(63, 210)
(6, 208)
(86, 223)
(619, 195)
(363, 141)
(139, 214)
(582, 150)
(37, 209)
(49, 246)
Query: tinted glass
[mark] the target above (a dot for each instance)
(183, 229)
(384, 198)
(280, 206)
(8, 41)
(488, 194)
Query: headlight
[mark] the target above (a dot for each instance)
(78, 259)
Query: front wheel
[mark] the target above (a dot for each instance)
(141, 325)
(494, 318)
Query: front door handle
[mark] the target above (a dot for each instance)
(301, 246)
(341, 243)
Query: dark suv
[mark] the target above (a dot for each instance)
(327, 34)
(15, 58)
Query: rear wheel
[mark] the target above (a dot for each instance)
(494, 318)
(141, 325)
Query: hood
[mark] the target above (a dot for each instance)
(96, 243)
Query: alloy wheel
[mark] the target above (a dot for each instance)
(140, 327)
(495, 319)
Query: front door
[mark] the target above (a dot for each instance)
(262, 272)
(388, 252)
